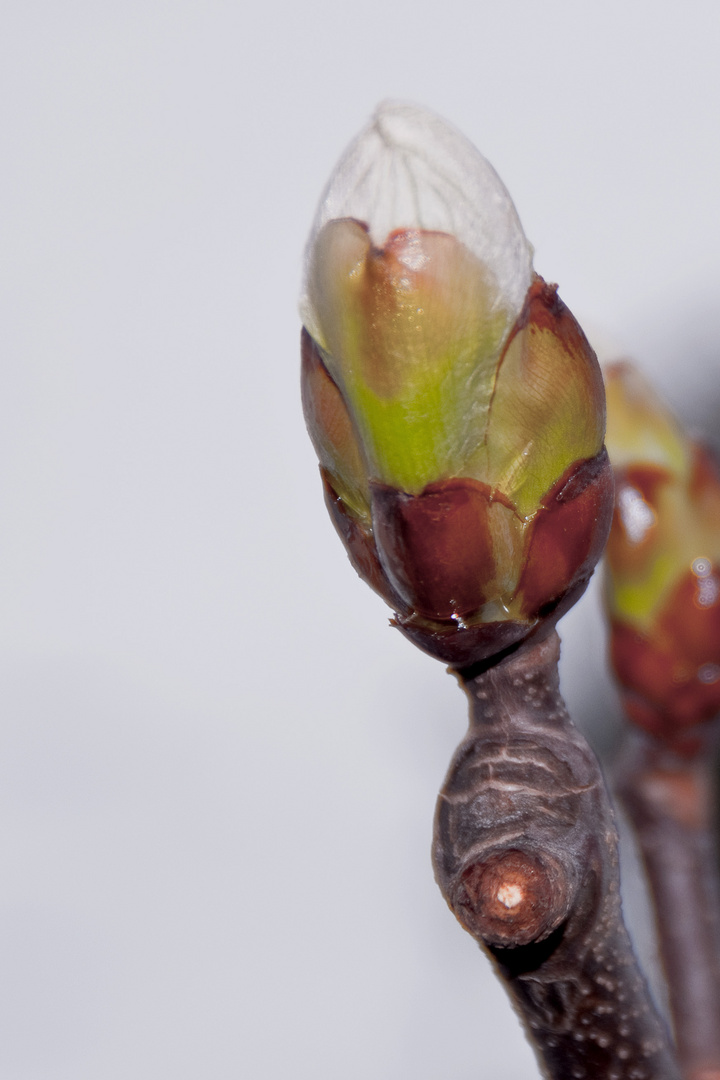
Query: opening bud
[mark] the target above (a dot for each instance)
(455, 405)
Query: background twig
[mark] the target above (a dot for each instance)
(669, 801)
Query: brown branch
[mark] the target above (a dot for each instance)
(525, 853)
(668, 800)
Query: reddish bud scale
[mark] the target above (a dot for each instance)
(359, 545)
(430, 557)
(568, 533)
(671, 677)
(329, 425)
(436, 548)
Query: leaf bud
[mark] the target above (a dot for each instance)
(455, 405)
(662, 573)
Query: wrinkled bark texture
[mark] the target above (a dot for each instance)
(525, 853)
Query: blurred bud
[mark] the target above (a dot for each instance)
(456, 408)
(662, 581)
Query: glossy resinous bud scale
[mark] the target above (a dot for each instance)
(455, 405)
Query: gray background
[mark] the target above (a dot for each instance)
(218, 765)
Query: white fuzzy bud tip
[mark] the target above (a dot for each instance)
(410, 169)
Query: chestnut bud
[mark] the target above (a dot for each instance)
(662, 573)
(454, 403)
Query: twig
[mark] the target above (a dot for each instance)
(525, 853)
(669, 801)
